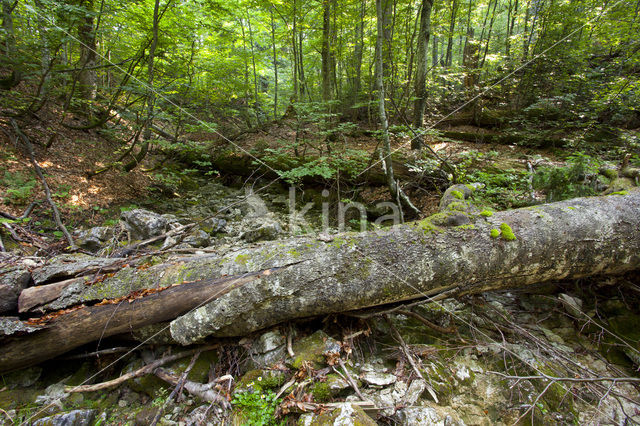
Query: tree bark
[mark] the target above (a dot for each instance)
(151, 94)
(87, 80)
(243, 291)
(14, 79)
(422, 66)
(385, 154)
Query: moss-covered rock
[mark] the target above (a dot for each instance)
(312, 348)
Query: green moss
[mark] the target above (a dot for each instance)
(620, 193)
(459, 195)
(495, 233)
(486, 213)
(321, 392)
(507, 232)
(242, 259)
(459, 206)
(294, 253)
(467, 226)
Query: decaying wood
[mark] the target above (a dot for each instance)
(275, 282)
(202, 391)
(99, 321)
(39, 295)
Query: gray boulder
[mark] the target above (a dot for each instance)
(72, 418)
(93, 239)
(142, 224)
(261, 229)
(12, 282)
(197, 238)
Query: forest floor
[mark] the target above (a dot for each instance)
(496, 335)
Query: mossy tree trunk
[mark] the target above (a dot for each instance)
(236, 293)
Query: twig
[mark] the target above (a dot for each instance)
(350, 379)
(2, 249)
(200, 390)
(47, 191)
(98, 353)
(125, 251)
(543, 376)
(289, 343)
(177, 389)
(409, 357)
(137, 373)
(426, 322)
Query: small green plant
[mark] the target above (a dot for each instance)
(577, 179)
(258, 408)
(495, 233)
(161, 397)
(507, 232)
(19, 187)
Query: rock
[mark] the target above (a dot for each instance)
(12, 282)
(213, 225)
(345, 414)
(53, 394)
(72, 418)
(376, 378)
(262, 229)
(197, 238)
(572, 304)
(312, 349)
(267, 350)
(142, 224)
(146, 415)
(93, 239)
(22, 378)
(415, 390)
(411, 416)
(458, 192)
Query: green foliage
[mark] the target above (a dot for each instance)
(19, 187)
(507, 232)
(257, 408)
(579, 178)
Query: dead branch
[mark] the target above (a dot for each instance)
(407, 354)
(47, 191)
(137, 373)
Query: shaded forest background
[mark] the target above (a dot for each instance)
(187, 80)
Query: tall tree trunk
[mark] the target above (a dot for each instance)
(326, 51)
(486, 47)
(294, 49)
(256, 101)
(87, 81)
(469, 31)
(14, 79)
(358, 50)
(392, 184)
(245, 112)
(151, 94)
(422, 65)
(452, 26)
(275, 65)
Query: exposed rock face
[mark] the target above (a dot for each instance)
(12, 282)
(72, 418)
(261, 229)
(410, 416)
(93, 239)
(143, 224)
(346, 414)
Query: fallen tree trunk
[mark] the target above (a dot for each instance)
(304, 276)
